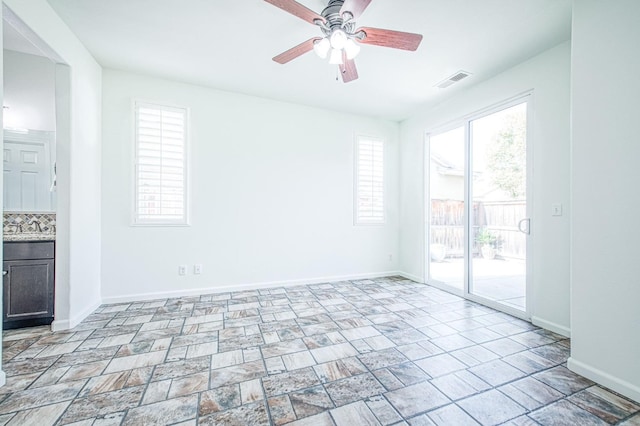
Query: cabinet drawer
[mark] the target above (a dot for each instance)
(29, 250)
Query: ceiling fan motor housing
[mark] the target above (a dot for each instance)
(335, 20)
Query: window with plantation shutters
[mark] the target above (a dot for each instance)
(160, 165)
(369, 183)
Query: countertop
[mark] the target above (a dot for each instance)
(29, 236)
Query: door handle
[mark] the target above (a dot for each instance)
(4, 273)
(527, 229)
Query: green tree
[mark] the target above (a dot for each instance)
(507, 157)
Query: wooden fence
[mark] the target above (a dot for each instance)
(500, 218)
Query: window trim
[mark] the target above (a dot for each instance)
(134, 220)
(356, 176)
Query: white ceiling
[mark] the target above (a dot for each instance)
(228, 44)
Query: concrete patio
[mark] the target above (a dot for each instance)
(500, 280)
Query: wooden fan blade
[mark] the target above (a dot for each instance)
(294, 52)
(390, 38)
(355, 7)
(348, 69)
(295, 8)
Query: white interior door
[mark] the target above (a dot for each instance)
(27, 178)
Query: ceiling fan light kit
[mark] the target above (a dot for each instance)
(341, 39)
(338, 39)
(351, 49)
(336, 57)
(322, 47)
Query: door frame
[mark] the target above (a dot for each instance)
(465, 121)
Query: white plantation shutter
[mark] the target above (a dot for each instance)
(369, 181)
(161, 164)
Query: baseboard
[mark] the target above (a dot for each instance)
(67, 324)
(551, 326)
(60, 325)
(241, 287)
(605, 379)
(411, 277)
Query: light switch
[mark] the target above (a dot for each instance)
(556, 209)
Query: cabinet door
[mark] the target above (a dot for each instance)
(28, 289)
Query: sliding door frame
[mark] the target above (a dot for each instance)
(465, 121)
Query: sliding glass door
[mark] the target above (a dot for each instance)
(446, 209)
(499, 223)
(478, 220)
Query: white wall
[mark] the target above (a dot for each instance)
(605, 267)
(548, 76)
(29, 92)
(271, 195)
(78, 238)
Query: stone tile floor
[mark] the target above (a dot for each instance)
(370, 352)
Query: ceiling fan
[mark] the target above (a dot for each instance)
(341, 38)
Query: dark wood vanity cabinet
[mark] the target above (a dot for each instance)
(28, 277)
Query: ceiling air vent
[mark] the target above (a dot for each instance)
(460, 75)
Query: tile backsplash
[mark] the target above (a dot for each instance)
(13, 220)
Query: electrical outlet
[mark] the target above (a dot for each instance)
(182, 270)
(197, 269)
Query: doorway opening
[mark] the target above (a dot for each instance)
(36, 122)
